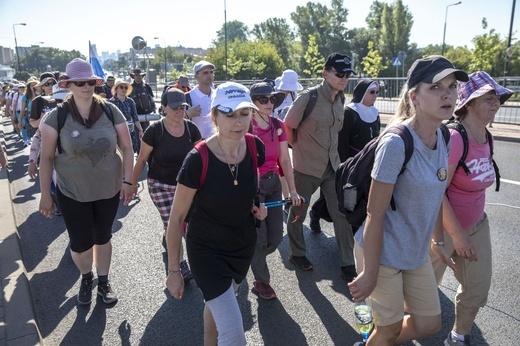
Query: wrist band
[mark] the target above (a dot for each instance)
(438, 243)
(127, 183)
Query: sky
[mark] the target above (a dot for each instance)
(111, 24)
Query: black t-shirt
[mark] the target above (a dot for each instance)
(169, 151)
(41, 105)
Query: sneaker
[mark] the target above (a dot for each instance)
(450, 342)
(301, 262)
(85, 292)
(57, 210)
(104, 290)
(263, 290)
(348, 273)
(315, 222)
(359, 343)
(164, 243)
(185, 271)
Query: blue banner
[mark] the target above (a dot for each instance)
(93, 59)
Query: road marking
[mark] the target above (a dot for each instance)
(510, 181)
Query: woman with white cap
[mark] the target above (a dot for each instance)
(91, 175)
(221, 234)
(391, 248)
(466, 226)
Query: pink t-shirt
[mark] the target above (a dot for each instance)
(271, 136)
(467, 193)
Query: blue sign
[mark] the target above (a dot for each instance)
(397, 62)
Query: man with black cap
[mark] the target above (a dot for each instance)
(315, 158)
(143, 96)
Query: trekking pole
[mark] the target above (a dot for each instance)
(304, 200)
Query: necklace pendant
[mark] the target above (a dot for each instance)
(235, 182)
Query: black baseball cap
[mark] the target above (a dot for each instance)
(432, 69)
(340, 63)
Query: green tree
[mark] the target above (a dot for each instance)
(338, 39)
(43, 58)
(236, 30)
(313, 19)
(372, 62)
(488, 54)
(277, 32)
(359, 41)
(314, 59)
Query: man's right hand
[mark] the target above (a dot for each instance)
(194, 111)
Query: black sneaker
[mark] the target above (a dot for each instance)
(315, 222)
(85, 292)
(348, 273)
(301, 262)
(185, 271)
(164, 243)
(105, 291)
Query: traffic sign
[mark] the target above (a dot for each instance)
(396, 62)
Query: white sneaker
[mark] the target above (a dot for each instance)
(450, 342)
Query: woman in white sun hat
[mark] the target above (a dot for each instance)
(289, 85)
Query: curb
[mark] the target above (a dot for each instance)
(17, 313)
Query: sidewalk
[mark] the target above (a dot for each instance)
(17, 315)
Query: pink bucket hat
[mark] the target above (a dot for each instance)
(79, 70)
(480, 83)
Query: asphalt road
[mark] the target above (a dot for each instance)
(312, 307)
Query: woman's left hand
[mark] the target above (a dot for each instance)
(296, 199)
(440, 251)
(127, 192)
(259, 213)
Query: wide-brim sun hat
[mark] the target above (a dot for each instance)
(118, 82)
(431, 70)
(266, 89)
(137, 71)
(79, 70)
(289, 81)
(45, 77)
(230, 96)
(480, 83)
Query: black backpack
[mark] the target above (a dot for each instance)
(62, 117)
(353, 177)
(457, 126)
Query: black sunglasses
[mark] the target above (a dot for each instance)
(264, 99)
(341, 74)
(49, 84)
(124, 87)
(82, 83)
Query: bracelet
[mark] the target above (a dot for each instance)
(127, 183)
(438, 243)
(173, 271)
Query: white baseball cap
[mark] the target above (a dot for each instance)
(230, 96)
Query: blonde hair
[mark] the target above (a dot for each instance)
(405, 109)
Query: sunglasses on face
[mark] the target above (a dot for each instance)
(49, 84)
(264, 99)
(80, 84)
(372, 92)
(123, 87)
(341, 74)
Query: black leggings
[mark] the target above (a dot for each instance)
(88, 223)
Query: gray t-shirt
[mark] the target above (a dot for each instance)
(418, 194)
(89, 168)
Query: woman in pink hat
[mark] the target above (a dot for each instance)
(91, 175)
(466, 226)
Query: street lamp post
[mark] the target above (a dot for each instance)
(16, 45)
(165, 54)
(445, 19)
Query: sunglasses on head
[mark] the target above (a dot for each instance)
(224, 110)
(374, 92)
(264, 99)
(124, 87)
(82, 83)
(49, 84)
(341, 74)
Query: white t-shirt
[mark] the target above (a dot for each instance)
(204, 121)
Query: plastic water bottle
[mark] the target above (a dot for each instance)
(364, 320)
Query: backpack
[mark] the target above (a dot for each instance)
(143, 100)
(353, 177)
(457, 126)
(313, 97)
(62, 117)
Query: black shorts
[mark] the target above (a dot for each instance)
(88, 223)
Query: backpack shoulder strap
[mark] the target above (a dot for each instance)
(445, 133)
(62, 116)
(251, 146)
(403, 132)
(108, 111)
(457, 126)
(313, 97)
(202, 148)
(495, 166)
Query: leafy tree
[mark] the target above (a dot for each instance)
(372, 62)
(236, 30)
(277, 32)
(42, 58)
(373, 19)
(313, 19)
(338, 39)
(359, 40)
(488, 54)
(314, 59)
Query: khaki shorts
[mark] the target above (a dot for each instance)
(397, 291)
